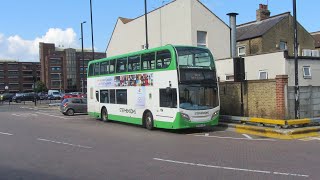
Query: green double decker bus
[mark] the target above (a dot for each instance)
(171, 87)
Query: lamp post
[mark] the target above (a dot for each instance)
(146, 22)
(60, 82)
(91, 30)
(82, 82)
(296, 78)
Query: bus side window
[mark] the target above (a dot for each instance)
(112, 96)
(122, 65)
(91, 69)
(104, 96)
(134, 63)
(168, 100)
(163, 59)
(148, 61)
(96, 69)
(104, 67)
(112, 66)
(97, 96)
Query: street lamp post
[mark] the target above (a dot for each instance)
(82, 83)
(60, 82)
(91, 30)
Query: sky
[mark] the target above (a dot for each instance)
(25, 23)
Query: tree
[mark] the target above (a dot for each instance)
(40, 87)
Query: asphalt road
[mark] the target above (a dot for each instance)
(41, 143)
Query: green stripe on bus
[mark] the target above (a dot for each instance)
(178, 123)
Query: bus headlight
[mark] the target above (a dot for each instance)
(185, 116)
(215, 114)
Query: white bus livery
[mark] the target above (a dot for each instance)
(171, 87)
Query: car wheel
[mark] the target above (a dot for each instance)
(148, 120)
(104, 115)
(70, 112)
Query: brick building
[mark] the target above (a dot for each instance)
(62, 68)
(18, 76)
(270, 34)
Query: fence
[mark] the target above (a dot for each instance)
(309, 102)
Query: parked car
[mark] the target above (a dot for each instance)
(54, 95)
(73, 95)
(19, 97)
(43, 96)
(70, 106)
(6, 97)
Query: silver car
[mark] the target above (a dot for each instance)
(70, 106)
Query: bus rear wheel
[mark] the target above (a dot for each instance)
(104, 115)
(148, 120)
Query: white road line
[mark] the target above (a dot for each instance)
(247, 136)
(221, 137)
(52, 115)
(3, 133)
(64, 143)
(315, 138)
(230, 168)
(16, 115)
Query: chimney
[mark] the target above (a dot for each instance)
(233, 23)
(263, 12)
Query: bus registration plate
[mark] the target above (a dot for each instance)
(200, 125)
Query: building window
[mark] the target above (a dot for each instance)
(263, 75)
(306, 72)
(201, 38)
(229, 77)
(241, 51)
(283, 45)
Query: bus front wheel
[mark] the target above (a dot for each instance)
(104, 115)
(148, 120)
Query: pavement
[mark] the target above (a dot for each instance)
(41, 143)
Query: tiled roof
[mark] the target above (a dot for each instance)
(316, 37)
(258, 28)
(125, 20)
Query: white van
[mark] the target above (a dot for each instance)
(54, 94)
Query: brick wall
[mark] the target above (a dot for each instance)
(262, 98)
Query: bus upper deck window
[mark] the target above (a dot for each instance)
(163, 59)
(148, 61)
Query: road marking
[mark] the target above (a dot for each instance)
(25, 114)
(230, 168)
(52, 115)
(247, 136)
(3, 133)
(310, 139)
(64, 143)
(222, 137)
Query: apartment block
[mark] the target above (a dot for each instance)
(64, 68)
(18, 76)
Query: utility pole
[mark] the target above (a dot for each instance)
(296, 72)
(146, 22)
(91, 30)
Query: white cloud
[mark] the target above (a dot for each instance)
(17, 48)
